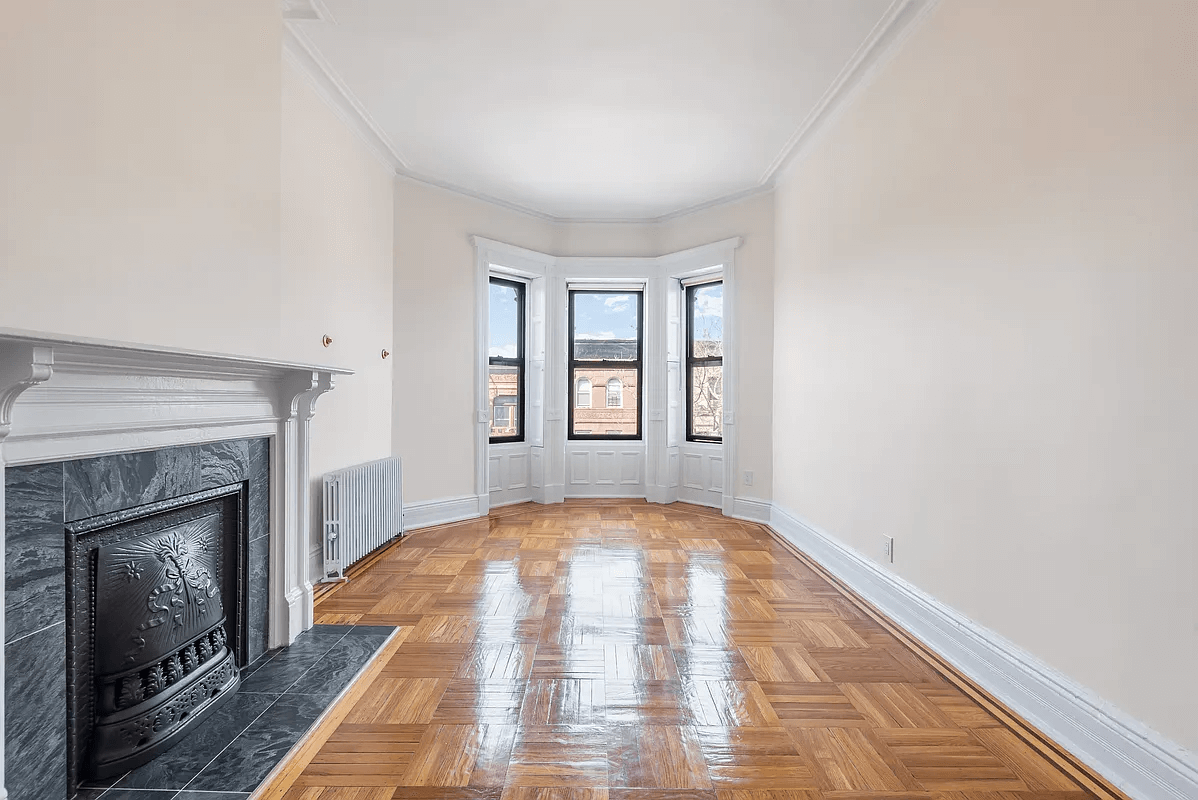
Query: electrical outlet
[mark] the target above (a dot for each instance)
(748, 477)
(888, 549)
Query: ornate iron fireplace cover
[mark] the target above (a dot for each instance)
(159, 649)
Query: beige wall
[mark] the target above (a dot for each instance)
(985, 335)
(434, 330)
(166, 181)
(139, 182)
(337, 220)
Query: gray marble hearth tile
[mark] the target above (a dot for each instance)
(112, 483)
(174, 768)
(258, 605)
(259, 478)
(328, 630)
(336, 668)
(35, 550)
(89, 793)
(278, 674)
(35, 715)
(222, 463)
(211, 796)
(245, 763)
(371, 630)
(259, 662)
(139, 794)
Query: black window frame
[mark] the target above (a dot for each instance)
(517, 362)
(692, 362)
(574, 364)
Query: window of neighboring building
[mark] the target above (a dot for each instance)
(615, 394)
(584, 393)
(705, 362)
(606, 333)
(505, 372)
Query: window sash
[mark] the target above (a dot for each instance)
(518, 362)
(693, 362)
(638, 365)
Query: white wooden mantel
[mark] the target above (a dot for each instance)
(64, 398)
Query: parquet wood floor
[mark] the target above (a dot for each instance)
(603, 650)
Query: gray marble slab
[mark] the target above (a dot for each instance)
(336, 668)
(35, 549)
(35, 715)
(250, 758)
(258, 601)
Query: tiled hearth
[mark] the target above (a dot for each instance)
(281, 696)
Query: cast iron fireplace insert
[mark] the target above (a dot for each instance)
(157, 625)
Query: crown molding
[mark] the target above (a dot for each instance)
(901, 19)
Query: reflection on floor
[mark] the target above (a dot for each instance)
(232, 751)
(615, 650)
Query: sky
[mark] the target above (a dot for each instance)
(503, 321)
(610, 315)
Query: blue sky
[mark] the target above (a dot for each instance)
(503, 321)
(605, 316)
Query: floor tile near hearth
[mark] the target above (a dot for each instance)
(281, 696)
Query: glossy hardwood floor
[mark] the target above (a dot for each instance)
(608, 650)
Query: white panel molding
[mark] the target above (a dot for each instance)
(428, 513)
(891, 31)
(1135, 759)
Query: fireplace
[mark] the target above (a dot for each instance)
(156, 599)
(94, 436)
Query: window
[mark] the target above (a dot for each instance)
(615, 394)
(606, 330)
(505, 371)
(705, 362)
(503, 416)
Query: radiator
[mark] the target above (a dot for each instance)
(363, 510)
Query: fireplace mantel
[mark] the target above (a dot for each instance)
(64, 398)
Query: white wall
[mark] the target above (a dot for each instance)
(165, 180)
(139, 175)
(434, 331)
(985, 336)
(337, 222)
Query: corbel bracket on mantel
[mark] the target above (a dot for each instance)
(22, 366)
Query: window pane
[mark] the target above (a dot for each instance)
(600, 417)
(605, 326)
(505, 321)
(707, 401)
(707, 308)
(503, 388)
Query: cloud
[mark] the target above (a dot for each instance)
(710, 306)
(507, 351)
(618, 303)
(599, 336)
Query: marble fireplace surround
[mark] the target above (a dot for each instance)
(67, 398)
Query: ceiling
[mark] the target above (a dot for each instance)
(591, 109)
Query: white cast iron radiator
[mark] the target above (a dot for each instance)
(363, 510)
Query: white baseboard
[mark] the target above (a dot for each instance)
(751, 510)
(439, 512)
(1136, 759)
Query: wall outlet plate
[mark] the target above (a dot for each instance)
(748, 477)
(888, 549)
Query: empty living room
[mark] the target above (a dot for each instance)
(578, 400)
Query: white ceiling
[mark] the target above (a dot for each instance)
(591, 109)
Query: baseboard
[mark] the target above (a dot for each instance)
(1137, 760)
(439, 512)
(752, 510)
